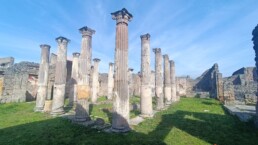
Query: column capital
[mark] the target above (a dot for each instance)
(156, 50)
(122, 16)
(165, 56)
(45, 46)
(145, 36)
(96, 60)
(130, 69)
(111, 64)
(86, 31)
(76, 54)
(62, 39)
(172, 62)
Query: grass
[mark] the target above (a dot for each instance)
(192, 121)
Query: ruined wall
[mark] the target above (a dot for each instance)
(103, 84)
(6, 62)
(20, 82)
(244, 85)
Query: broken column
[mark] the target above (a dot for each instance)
(167, 82)
(174, 97)
(255, 41)
(83, 86)
(146, 98)
(120, 116)
(60, 77)
(130, 81)
(95, 80)
(43, 78)
(110, 80)
(158, 79)
(74, 79)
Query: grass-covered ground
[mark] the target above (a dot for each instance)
(192, 121)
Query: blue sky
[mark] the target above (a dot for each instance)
(194, 33)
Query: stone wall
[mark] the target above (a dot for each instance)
(6, 62)
(20, 82)
(244, 85)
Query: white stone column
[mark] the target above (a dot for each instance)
(74, 79)
(83, 86)
(110, 81)
(95, 80)
(146, 98)
(43, 78)
(120, 116)
(167, 82)
(130, 81)
(60, 77)
(174, 97)
(158, 79)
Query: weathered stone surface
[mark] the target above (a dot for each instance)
(174, 97)
(95, 80)
(146, 98)
(110, 81)
(60, 77)
(82, 106)
(6, 62)
(167, 81)
(74, 80)
(120, 116)
(158, 79)
(130, 81)
(20, 82)
(43, 78)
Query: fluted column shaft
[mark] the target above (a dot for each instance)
(174, 97)
(74, 79)
(146, 98)
(95, 80)
(167, 81)
(83, 86)
(110, 81)
(43, 78)
(120, 116)
(60, 76)
(158, 79)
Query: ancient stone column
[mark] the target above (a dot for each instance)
(255, 41)
(158, 79)
(74, 79)
(146, 98)
(174, 97)
(60, 77)
(43, 78)
(110, 80)
(83, 86)
(167, 82)
(120, 116)
(95, 80)
(130, 81)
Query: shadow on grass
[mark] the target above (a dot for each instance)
(211, 128)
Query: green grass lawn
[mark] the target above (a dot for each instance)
(192, 121)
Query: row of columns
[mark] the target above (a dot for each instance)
(118, 88)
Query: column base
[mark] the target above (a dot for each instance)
(82, 119)
(120, 130)
(48, 106)
(38, 109)
(57, 112)
(168, 103)
(146, 115)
